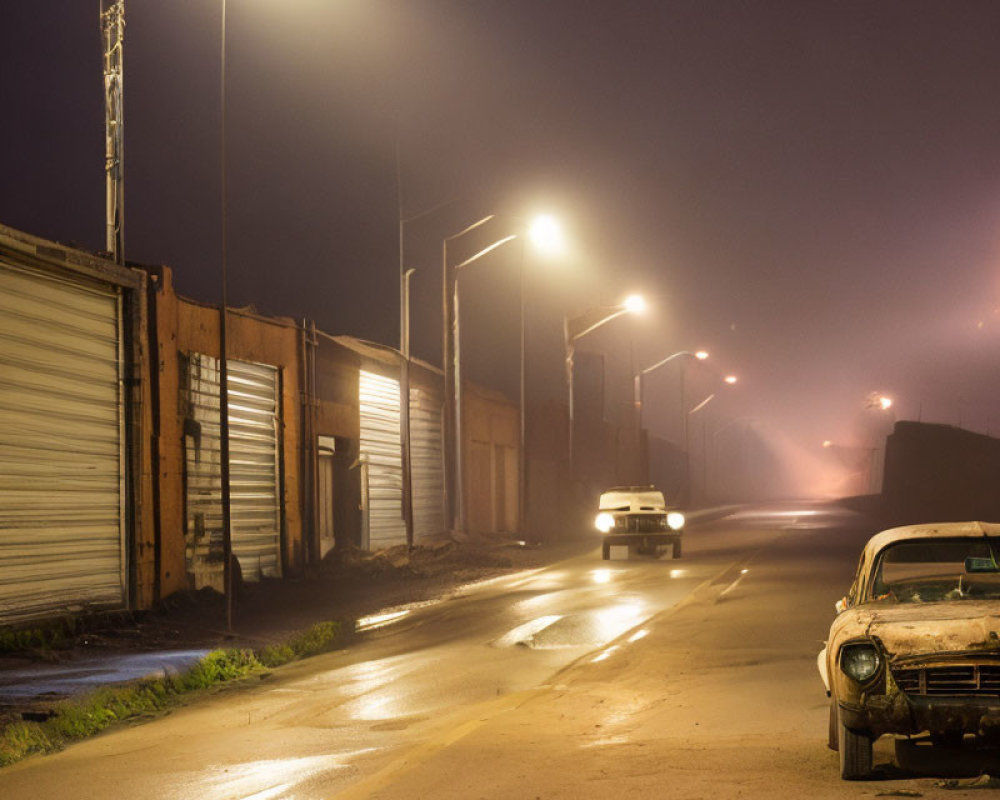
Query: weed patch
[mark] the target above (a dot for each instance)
(89, 715)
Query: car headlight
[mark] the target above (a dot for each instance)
(675, 520)
(859, 661)
(604, 522)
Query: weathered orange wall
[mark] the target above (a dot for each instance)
(183, 326)
(337, 377)
(488, 420)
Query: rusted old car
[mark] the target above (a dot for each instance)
(915, 648)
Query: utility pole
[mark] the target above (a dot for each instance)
(112, 35)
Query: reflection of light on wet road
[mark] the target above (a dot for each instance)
(614, 621)
(380, 620)
(542, 581)
(640, 634)
(523, 633)
(601, 575)
(374, 688)
(678, 573)
(265, 780)
(606, 741)
(588, 629)
(270, 794)
(604, 654)
(537, 603)
(374, 707)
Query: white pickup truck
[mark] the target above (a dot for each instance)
(638, 516)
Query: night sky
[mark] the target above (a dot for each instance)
(809, 190)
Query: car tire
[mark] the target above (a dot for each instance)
(855, 752)
(677, 550)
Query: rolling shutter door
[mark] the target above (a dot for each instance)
(254, 478)
(427, 464)
(61, 478)
(382, 452)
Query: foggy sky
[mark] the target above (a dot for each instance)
(810, 190)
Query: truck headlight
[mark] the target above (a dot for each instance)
(859, 661)
(604, 522)
(675, 520)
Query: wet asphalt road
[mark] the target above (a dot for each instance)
(416, 682)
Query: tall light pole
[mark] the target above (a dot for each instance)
(879, 426)
(227, 516)
(404, 347)
(578, 327)
(543, 231)
(637, 379)
(728, 380)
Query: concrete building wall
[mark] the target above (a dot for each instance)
(938, 473)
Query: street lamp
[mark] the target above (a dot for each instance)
(545, 234)
(637, 379)
(729, 380)
(580, 326)
(228, 575)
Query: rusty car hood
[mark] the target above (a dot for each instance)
(919, 629)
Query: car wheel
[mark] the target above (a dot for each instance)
(677, 550)
(855, 752)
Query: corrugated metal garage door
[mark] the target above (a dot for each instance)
(61, 484)
(253, 467)
(382, 452)
(427, 464)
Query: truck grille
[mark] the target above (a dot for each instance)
(973, 680)
(640, 523)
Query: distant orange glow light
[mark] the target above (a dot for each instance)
(701, 355)
(730, 379)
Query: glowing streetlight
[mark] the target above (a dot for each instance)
(634, 304)
(878, 400)
(637, 379)
(545, 232)
(580, 326)
(728, 380)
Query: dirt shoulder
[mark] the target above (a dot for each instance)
(345, 587)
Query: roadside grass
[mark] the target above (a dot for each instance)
(88, 715)
(55, 636)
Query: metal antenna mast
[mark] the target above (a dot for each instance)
(112, 34)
